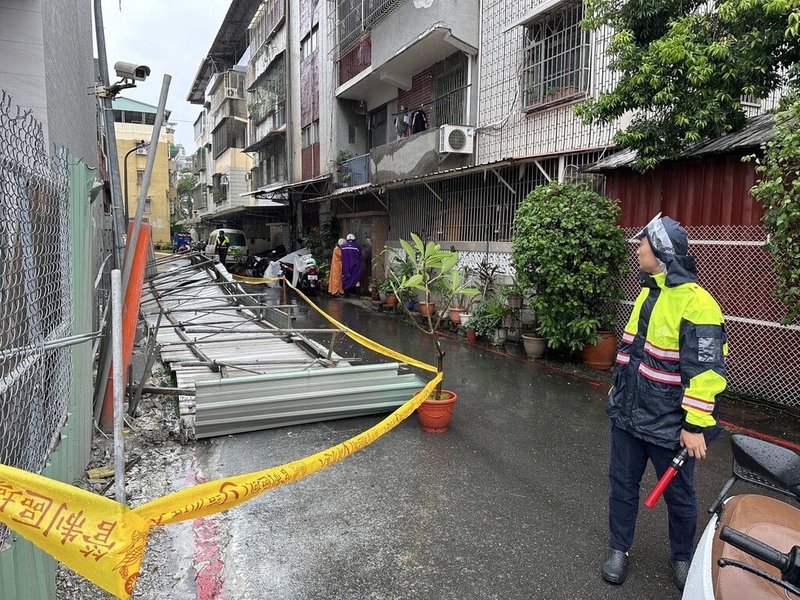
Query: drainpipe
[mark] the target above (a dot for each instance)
(290, 162)
(478, 79)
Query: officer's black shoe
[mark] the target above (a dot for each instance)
(680, 570)
(615, 569)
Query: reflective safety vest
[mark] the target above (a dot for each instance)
(670, 364)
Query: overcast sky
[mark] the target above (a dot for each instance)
(169, 36)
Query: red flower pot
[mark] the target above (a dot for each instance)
(435, 415)
(601, 355)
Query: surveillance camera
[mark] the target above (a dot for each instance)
(126, 70)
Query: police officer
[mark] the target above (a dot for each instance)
(670, 369)
(222, 246)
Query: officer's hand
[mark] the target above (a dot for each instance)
(695, 443)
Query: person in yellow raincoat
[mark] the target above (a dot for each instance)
(335, 280)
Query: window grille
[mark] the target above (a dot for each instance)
(268, 93)
(449, 87)
(139, 177)
(354, 17)
(269, 15)
(477, 207)
(556, 58)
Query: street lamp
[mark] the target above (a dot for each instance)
(139, 145)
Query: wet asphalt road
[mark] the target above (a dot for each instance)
(510, 503)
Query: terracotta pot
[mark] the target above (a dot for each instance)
(435, 415)
(391, 300)
(455, 314)
(514, 302)
(427, 308)
(472, 337)
(601, 355)
(534, 345)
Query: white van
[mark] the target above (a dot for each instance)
(237, 240)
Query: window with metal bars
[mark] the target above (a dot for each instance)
(556, 58)
(268, 16)
(449, 88)
(354, 17)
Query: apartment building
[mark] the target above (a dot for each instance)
(133, 125)
(519, 69)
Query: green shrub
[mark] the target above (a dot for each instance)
(568, 248)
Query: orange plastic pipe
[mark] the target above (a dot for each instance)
(130, 316)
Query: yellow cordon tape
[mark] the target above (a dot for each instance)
(105, 541)
(256, 280)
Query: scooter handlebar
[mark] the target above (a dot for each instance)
(753, 547)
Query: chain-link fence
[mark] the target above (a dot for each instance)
(764, 360)
(34, 291)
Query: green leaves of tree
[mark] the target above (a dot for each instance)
(779, 192)
(683, 69)
(568, 247)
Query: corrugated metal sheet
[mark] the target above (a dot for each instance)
(248, 376)
(291, 398)
(759, 129)
(710, 191)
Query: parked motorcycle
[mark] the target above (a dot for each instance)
(301, 269)
(751, 547)
(308, 281)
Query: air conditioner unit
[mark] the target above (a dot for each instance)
(224, 180)
(456, 139)
(142, 150)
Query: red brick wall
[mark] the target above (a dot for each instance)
(356, 60)
(419, 96)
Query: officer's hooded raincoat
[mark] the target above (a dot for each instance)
(671, 361)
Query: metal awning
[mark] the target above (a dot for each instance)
(264, 191)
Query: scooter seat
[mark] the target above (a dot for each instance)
(768, 520)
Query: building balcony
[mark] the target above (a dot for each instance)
(355, 171)
(381, 80)
(411, 157)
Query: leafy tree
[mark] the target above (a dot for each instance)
(779, 191)
(187, 181)
(683, 69)
(568, 248)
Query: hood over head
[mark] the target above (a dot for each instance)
(670, 244)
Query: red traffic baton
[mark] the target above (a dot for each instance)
(666, 478)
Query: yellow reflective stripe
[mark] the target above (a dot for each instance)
(700, 396)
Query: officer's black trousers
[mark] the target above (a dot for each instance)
(629, 456)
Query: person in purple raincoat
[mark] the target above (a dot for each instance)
(351, 264)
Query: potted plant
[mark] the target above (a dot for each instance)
(514, 294)
(461, 304)
(568, 248)
(487, 320)
(433, 271)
